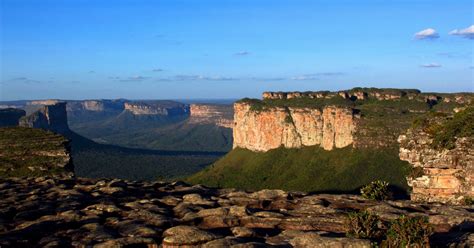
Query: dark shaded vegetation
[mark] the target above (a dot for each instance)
(24, 150)
(98, 160)
(156, 132)
(376, 190)
(363, 225)
(305, 169)
(10, 117)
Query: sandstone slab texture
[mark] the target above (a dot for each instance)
(58, 212)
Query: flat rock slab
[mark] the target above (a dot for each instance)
(56, 212)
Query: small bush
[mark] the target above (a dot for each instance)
(469, 201)
(409, 232)
(376, 190)
(416, 172)
(363, 225)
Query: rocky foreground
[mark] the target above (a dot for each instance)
(53, 212)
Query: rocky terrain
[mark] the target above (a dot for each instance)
(217, 114)
(443, 172)
(55, 212)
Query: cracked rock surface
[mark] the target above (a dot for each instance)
(60, 212)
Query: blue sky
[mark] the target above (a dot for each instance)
(170, 49)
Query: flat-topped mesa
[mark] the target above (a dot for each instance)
(156, 108)
(43, 102)
(373, 93)
(441, 150)
(49, 117)
(329, 127)
(218, 114)
(93, 105)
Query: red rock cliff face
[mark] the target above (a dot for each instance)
(330, 128)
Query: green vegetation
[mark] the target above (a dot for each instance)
(461, 125)
(363, 225)
(416, 172)
(303, 102)
(376, 190)
(305, 169)
(409, 232)
(23, 151)
(468, 201)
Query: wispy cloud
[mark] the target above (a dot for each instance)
(24, 80)
(242, 53)
(92, 72)
(431, 65)
(427, 34)
(203, 78)
(316, 76)
(467, 33)
(157, 70)
(134, 79)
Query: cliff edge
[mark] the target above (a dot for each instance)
(441, 150)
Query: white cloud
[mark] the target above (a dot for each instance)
(431, 65)
(427, 34)
(467, 33)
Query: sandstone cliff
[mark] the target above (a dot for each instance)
(217, 114)
(166, 108)
(292, 127)
(441, 173)
(49, 117)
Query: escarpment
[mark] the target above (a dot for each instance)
(26, 152)
(360, 117)
(217, 114)
(166, 108)
(292, 127)
(441, 151)
(49, 117)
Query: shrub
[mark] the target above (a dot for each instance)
(416, 172)
(408, 232)
(363, 225)
(376, 190)
(469, 201)
(461, 125)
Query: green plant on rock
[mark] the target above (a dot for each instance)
(409, 232)
(363, 225)
(469, 201)
(416, 172)
(376, 190)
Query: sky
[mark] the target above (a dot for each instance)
(176, 49)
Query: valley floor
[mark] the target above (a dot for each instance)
(54, 212)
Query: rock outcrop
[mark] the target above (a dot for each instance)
(217, 114)
(440, 174)
(330, 127)
(166, 108)
(56, 212)
(10, 117)
(33, 152)
(49, 117)
(374, 93)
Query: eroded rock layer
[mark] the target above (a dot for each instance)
(292, 127)
(441, 174)
(54, 212)
(217, 114)
(167, 108)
